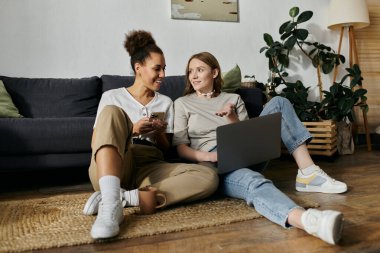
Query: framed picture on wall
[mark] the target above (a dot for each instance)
(212, 10)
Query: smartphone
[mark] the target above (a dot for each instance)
(157, 115)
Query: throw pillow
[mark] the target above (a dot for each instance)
(7, 108)
(232, 80)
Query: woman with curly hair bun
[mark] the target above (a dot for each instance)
(127, 143)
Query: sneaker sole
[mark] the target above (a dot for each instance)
(310, 188)
(103, 235)
(92, 204)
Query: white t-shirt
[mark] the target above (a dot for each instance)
(122, 98)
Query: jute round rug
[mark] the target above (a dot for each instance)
(58, 221)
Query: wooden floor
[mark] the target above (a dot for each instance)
(360, 205)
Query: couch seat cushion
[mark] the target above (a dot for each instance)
(21, 136)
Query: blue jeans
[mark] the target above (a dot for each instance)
(252, 186)
(293, 132)
(258, 192)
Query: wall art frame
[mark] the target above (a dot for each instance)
(206, 10)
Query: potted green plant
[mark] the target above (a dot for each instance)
(338, 102)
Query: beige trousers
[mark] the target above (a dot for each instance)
(144, 165)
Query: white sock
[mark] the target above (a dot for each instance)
(131, 197)
(308, 170)
(109, 188)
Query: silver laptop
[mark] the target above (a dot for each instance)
(246, 143)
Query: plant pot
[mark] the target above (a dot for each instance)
(345, 140)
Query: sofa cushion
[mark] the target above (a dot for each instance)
(27, 136)
(110, 82)
(7, 108)
(172, 86)
(253, 99)
(50, 97)
(232, 80)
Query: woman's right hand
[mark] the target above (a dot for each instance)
(211, 157)
(191, 154)
(142, 126)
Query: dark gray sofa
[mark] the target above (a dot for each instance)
(59, 114)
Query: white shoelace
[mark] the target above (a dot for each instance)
(107, 212)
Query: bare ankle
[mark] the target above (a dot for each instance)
(294, 217)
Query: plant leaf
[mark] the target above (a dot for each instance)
(285, 35)
(263, 49)
(283, 26)
(268, 39)
(356, 69)
(290, 42)
(360, 92)
(304, 16)
(334, 89)
(301, 34)
(350, 71)
(342, 58)
(327, 67)
(284, 60)
(294, 11)
(344, 79)
(271, 52)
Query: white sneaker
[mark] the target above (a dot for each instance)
(92, 204)
(326, 225)
(110, 216)
(319, 181)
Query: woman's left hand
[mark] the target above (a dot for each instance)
(228, 111)
(159, 125)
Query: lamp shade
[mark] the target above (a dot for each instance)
(348, 13)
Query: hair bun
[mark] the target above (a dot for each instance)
(137, 40)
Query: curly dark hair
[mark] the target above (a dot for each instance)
(139, 44)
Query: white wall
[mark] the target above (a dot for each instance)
(78, 38)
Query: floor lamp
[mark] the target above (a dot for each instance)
(348, 15)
